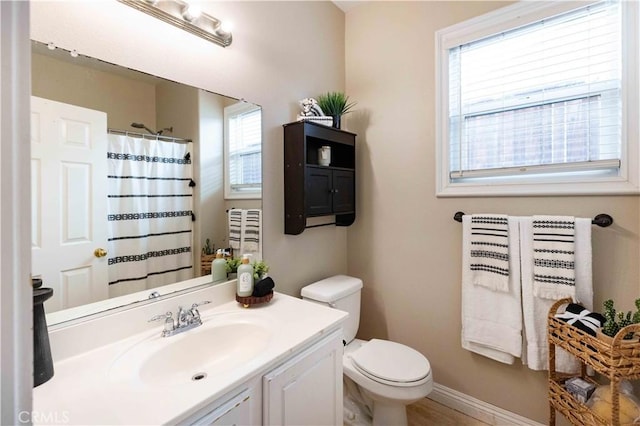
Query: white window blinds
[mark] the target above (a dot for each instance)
(542, 98)
(244, 139)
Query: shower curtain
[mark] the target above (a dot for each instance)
(150, 204)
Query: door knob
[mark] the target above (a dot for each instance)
(99, 252)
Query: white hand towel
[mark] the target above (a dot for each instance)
(492, 320)
(554, 257)
(536, 309)
(489, 251)
(251, 230)
(235, 228)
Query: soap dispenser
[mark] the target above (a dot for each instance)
(245, 277)
(219, 267)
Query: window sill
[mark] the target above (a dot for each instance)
(520, 189)
(249, 196)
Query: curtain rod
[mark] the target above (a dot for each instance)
(146, 136)
(602, 220)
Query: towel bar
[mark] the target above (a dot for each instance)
(602, 220)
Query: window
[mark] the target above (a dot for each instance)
(534, 99)
(243, 151)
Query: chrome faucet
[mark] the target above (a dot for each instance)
(186, 320)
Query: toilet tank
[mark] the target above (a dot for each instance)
(340, 292)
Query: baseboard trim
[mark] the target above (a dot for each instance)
(477, 409)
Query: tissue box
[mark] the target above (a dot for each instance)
(579, 388)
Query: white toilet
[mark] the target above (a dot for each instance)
(381, 377)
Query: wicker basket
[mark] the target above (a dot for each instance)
(205, 263)
(614, 357)
(576, 412)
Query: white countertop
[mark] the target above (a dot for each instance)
(83, 390)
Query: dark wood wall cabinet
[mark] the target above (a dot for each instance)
(311, 189)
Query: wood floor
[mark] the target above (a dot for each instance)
(430, 413)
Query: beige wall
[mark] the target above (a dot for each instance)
(405, 244)
(212, 220)
(123, 99)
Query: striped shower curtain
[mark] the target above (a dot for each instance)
(150, 204)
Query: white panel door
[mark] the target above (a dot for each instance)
(69, 201)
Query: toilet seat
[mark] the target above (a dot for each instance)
(391, 363)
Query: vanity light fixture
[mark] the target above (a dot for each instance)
(185, 16)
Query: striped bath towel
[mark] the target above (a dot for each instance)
(554, 274)
(252, 230)
(489, 251)
(235, 228)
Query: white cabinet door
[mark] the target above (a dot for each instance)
(234, 412)
(307, 389)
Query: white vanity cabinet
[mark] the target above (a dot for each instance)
(306, 389)
(292, 377)
(240, 407)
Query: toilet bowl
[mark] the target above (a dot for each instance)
(381, 377)
(390, 375)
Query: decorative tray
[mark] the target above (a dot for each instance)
(247, 301)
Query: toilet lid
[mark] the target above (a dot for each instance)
(386, 361)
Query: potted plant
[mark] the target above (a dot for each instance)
(208, 254)
(616, 321)
(232, 267)
(260, 269)
(335, 104)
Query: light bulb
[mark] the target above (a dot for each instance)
(51, 46)
(226, 26)
(223, 29)
(190, 12)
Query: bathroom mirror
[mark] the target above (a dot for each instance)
(128, 96)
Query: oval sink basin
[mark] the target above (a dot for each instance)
(194, 355)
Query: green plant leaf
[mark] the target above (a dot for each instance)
(335, 103)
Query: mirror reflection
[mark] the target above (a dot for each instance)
(133, 177)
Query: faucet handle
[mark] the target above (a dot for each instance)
(169, 325)
(161, 317)
(194, 310)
